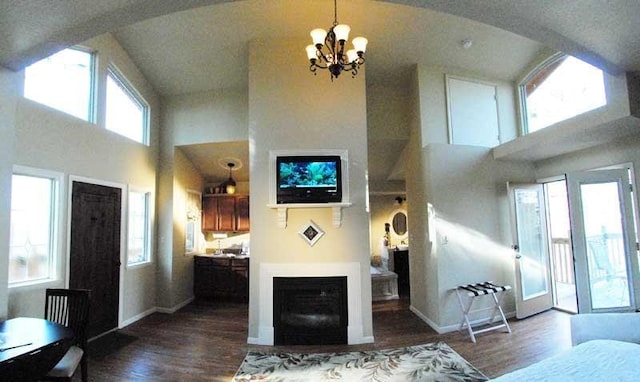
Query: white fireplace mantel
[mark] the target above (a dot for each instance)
(335, 207)
(268, 271)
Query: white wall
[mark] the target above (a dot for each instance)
(9, 89)
(51, 140)
(296, 110)
(621, 151)
(459, 230)
(472, 241)
(466, 237)
(433, 103)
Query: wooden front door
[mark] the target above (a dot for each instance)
(94, 261)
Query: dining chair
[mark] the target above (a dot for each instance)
(69, 307)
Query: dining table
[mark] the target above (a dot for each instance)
(30, 347)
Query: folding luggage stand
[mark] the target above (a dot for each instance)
(472, 291)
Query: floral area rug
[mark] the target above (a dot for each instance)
(429, 362)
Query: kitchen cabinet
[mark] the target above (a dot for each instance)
(221, 278)
(225, 213)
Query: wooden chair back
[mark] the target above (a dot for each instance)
(69, 307)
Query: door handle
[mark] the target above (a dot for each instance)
(518, 256)
(515, 247)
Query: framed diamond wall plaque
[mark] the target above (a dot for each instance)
(311, 233)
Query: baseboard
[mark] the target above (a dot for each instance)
(137, 317)
(158, 309)
(454, 327)
(176, 307)
(425, 319)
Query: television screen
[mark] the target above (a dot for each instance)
(308, 179)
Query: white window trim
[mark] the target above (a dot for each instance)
(92, 114)
(522, 98)
(57, 245)
(150, 231)
(120, 78)
(197, 239)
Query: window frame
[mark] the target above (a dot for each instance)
(56, 220)
(123, 82)
(197, 225)
(522, 94)
(92, 115)
(148, 229)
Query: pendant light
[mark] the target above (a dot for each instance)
(231, 184)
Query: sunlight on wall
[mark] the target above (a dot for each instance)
(464, 240)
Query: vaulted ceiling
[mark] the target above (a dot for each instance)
(196, 45)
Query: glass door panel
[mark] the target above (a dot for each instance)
(530, 240)
(603, 239)
(607, 270)
(532, 259)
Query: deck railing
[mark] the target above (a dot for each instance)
(612, 258)
(562, 260)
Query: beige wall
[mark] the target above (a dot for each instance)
(297, 110)
(186, 178)
(50, 140)
(388, 127)
(214, 116)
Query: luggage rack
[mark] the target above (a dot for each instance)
(469, 293)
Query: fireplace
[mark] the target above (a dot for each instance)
(310, 310)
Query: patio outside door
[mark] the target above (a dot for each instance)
(533, 284)
(604, 240)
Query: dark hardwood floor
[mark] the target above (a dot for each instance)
(207, 342)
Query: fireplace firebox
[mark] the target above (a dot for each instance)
(310, 310)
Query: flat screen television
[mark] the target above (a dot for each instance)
(308, 179)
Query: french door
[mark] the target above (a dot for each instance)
(533, 284)
(604, 240)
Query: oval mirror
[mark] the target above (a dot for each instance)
(399, 223)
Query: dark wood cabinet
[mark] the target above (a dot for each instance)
(401, 268)
(242, 213)
(225, 213)
(221, 278)
(209, 214)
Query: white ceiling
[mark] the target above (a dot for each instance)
(196, 45)
(207, 48)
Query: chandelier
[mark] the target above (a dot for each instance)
(335, 58)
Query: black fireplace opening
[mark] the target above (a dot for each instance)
(310, 310)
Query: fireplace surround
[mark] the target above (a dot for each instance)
(352, 270)
(310, 310)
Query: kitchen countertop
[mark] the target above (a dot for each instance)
(223, 256)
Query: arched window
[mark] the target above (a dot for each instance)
(560, 88)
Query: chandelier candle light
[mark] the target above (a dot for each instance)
(335, 59)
